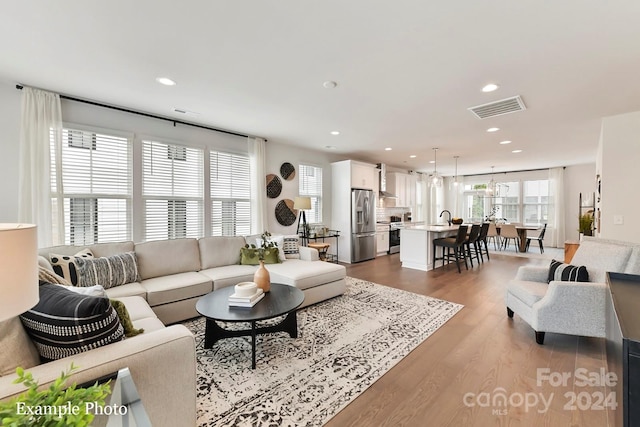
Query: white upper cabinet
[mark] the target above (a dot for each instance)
(364, 176)
(404, 187)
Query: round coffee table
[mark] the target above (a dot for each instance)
(281, 300)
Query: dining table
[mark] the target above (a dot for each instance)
(522, 229)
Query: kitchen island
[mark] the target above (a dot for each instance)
(416, 244)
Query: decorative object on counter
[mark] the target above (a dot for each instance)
(303, 203)
(274, 186)
(435, 180)
(18, 268)
(287, 171)
(457, 221)
(285, 213)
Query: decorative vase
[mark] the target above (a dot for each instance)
(261, 277)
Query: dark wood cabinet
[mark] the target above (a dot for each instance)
(623, 344)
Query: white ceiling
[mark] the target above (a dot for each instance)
(406, 70)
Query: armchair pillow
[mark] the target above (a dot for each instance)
(66, 266)
(109, 271)
(290, 247)
(567, 272)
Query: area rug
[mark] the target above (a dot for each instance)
(344, 345)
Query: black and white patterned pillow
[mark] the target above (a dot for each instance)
(109, 271)
(567, 273)
(64, 323)
(290, 247)
(65, 265)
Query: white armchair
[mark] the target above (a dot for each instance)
(574, 308)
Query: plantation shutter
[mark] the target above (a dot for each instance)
(230, 194)
(91, 187)
(310, 184)
(173, 190)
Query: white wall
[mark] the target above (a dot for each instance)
(620, 148)
(277, 154)
(10, 100)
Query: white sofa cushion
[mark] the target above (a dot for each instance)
(600, 257)
(305, 274)
(167, 257)
(176, 287)
(528, 292)
(220, 251)
(230, 275)
(128, 290)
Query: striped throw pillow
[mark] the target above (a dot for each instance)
(567, 273)
(290, 247)
(110, 271)
(64, 323)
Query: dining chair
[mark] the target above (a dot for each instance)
(482, 240)
(456, 243)
(471, 243)
(540, 238)
(492, 234)
(508, 232)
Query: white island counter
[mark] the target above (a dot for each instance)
(416, 244)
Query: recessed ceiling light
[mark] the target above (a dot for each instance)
(493, 129)
(413, 156)
(517, 151)
(165, 81)
(505, 142)
(335, 132)
(388, 149)
(329, 84)
(432, 161)
(490, 87)
(330, 147)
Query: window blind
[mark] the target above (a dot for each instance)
(173, 190)
(230, 194)
(310, 184)
(91, 186)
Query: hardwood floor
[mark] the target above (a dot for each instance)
(480, 350)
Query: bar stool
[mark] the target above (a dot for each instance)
(455, 243)
(471, 242)
(482, 239)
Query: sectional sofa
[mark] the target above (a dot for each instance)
(174, 274)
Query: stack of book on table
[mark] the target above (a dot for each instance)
(247, 294)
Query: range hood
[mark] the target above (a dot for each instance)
(384, 194)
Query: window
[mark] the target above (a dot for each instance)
(507, 204)
(230, 194)
(91, 187)
(536, 201)
(173, 190)
(310, 184)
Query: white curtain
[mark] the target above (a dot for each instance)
(41, 114)
(556, 207)
(257, 161)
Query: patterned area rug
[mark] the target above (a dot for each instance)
(344, 345)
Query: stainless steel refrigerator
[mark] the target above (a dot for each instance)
(363, 225)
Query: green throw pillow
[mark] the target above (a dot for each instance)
(249, 256)
(123, 315)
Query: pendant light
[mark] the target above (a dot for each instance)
(455, 178)
(435, 179)
(491, 186)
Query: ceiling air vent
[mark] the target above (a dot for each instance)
(498, 108)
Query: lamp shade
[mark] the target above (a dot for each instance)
(303, 203)
(18, 269)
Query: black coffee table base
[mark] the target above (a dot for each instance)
(213, 332)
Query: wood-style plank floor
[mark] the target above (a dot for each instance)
(480, 350)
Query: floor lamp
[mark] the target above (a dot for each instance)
(302, 204)
(18, 269)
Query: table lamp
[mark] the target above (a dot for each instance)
(18, 269)
(302, 203)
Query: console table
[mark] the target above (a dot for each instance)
(331, 234)
(623, 344)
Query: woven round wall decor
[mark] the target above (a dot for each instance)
(287, 171)
(285, 214)
(274, 186)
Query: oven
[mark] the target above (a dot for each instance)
(394, 237)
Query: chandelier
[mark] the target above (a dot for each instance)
(435, 179)
(455, 177)
(494, 188)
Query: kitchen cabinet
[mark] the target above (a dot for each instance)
(382, 239)
(364, 175)
(403, 186)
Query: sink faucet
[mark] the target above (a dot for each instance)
(449, 220)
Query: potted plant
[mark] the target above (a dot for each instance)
(585, 226)
(54, 406)
(261, 277)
